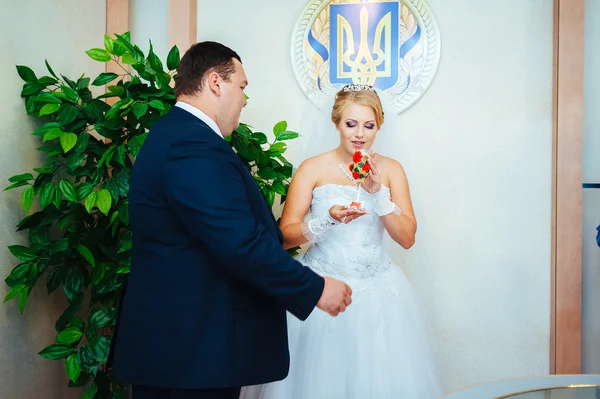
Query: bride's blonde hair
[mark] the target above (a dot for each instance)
(357, 94)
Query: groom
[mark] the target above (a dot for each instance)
(204, 312)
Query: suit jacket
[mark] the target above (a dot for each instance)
(206, 299)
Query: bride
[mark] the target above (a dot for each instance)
(378, 348)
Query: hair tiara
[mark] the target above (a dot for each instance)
(358, 87)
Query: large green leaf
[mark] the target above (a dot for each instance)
(100, 349)
(279, 188)
(73, 367)
(173, 59)
(120, 154)
(90, 201)
(83, 83)
(19, 272)
(73, 283)
(22, 253)
(157, 104)
(69, 335)
(16, 290)
(68, 190)
(21, 177)
(90, 391)
(70, 92)
(85, 189)
(46, 98)
(27, 198)
(261, 138)
(277, 149)
(87, 254)
(56, 351)
(98, 273)
(279, 127)
(104, 78)
(15, 185)
(154, 61)
(100, 318)
(269, 195)
(82, 142)
(128, 59)
(54, 279)
(98, 54)
(87, 361)
(50, 69)
(76, 322)
(23, 296)
(267, 173)
(140, 109)
(59, 246)
(119, 107)
(124, 212)
(68, 113)
(286, 135)
(68, 141)
(135, 144)
(31, 88)
(47, 194)
(52, 134)
(26, 73)
(109, 44)
(47, 81)
(49, 109)
(125, 241)
(104, 201)
(42, 130)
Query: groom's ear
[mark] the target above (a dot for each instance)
(214, 83)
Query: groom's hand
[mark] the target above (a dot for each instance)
(336, 296)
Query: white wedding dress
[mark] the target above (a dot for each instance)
(379, 347)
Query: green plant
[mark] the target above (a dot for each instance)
(79, 234)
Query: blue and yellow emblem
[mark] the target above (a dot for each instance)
(391, 45)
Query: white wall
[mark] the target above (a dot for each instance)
(591, 197)
(31, 31)
(148, 20)
(478, 156)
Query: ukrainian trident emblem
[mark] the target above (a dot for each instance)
(393, 46)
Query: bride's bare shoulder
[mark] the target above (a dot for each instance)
(315, 165)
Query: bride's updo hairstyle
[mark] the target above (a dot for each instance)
(357, 94)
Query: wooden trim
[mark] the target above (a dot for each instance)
(183, 24)
(567, 187)
(554, 157)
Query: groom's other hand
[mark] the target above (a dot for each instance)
(336, 296)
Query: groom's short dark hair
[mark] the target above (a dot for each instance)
(200, 59)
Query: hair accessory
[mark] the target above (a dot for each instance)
(358, 87)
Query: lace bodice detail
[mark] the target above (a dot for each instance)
(352, 250)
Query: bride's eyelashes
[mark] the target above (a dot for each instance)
(368, 125)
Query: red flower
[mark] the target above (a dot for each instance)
(357, 156)
(350, 167)
(356, 175)
(366, 167)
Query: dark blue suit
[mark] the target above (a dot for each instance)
(206, 300)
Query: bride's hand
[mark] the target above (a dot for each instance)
(372, 183)
(345, 215)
